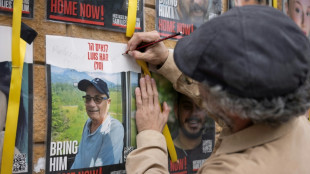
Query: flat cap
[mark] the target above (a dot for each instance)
(251, 51)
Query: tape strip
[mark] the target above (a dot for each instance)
(131, 17)
(166, 132)
(18, 52)
(275, 3)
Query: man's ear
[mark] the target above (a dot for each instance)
(109, 101)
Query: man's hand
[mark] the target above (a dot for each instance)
(149, 115)
(156, 54)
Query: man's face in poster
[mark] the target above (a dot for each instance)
(190, 117)
(96, 110)
(299, 11)
(193, 10)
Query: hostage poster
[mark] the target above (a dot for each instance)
(6, 7)
(107, 14)
(23, 144)
(184, 16)
(91, 105)
(192, 130)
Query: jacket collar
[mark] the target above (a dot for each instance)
(252, 136)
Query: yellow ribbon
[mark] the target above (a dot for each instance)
(131, 17)
(18, 53)
(275, 3)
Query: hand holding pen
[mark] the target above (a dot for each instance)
(155, 54)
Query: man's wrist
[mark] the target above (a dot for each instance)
(150, 137)
(164, 60)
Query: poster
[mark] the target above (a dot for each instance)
(89, 82)
(108, 14)
(6, 7)
(192, 130)
(23, 145)
(184, 15)
(298, 11)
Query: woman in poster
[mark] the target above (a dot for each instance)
(299, 11)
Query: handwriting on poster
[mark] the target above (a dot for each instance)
(98, 53)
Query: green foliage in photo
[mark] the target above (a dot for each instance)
(68, 111)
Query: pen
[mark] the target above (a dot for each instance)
(143, 46)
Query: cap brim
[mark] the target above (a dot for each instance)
(190, 49)
(181, 57)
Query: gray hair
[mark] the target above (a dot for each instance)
(271, 111)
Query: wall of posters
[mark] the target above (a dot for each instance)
(108, 14)
(184, 15)
(23, 145)
(6, 7)
(73, 143)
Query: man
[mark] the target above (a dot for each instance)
(102, 138)
(194, 142)
(253, 65)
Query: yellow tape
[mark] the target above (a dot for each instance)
(18, 52)
(12, 114)
(131, 17)
(275, 3)
(166, 132)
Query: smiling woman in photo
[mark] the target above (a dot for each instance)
(299, 11)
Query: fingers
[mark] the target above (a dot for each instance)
(138, 98)
(149, 91)
(164, 116)
(140, 37)
(165, 112)
(149, 115)
(155, 92)
(143, 87)
(138, 55)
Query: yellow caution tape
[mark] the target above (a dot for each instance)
(166, 132)
(18, 53)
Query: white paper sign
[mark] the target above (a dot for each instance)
(88, 55)
(6, 46)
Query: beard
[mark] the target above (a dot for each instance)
(188, 134)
